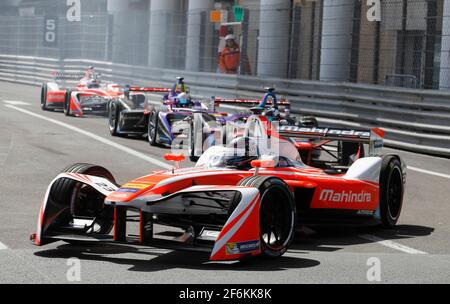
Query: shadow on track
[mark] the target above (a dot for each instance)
(324, 239)
(330, 239)
(174, 259)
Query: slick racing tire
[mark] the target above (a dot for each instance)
(81, 200)
(44, 91)
(66, 107)
(113, 118)
(152, 129)
(391, 191)
(277, 213)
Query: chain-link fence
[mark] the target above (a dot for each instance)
(393, 42)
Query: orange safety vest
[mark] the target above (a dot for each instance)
(229, 60)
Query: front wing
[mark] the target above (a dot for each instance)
(238, 237)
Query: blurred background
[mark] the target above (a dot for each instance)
(404, 44)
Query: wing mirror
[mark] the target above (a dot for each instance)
(176, 158)
(262, 163)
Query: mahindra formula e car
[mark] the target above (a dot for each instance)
(89, 96)
(245, 199)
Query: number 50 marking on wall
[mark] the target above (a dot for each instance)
(50, 31)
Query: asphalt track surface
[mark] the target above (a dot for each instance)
(35, 145)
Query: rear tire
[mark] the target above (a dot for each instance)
(67, 98)
(83, 200)
(44, 91)
(152, 129)
(277, 213)
(391, 191)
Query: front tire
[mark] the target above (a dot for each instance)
(67, 98)
(277, 214)
(391, 191)
(44, 91)
(152, 129)
(81, 200)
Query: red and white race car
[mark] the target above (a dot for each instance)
(244, 199)
(89, 96)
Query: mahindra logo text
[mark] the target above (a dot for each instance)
(345, 197)
(325, 131)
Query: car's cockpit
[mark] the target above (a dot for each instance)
(240, 152)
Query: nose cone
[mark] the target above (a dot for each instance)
(134, 188)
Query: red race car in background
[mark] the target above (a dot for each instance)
(89, 96)
(244, 199)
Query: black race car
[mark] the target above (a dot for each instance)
(128, 115)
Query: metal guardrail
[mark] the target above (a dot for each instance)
(415, 120)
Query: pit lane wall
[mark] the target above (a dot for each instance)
(413, 119)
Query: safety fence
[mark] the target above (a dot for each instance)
(328, 40)
(413, 119)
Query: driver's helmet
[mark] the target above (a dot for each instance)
(93, 84)
(183, 100)
(272, 112)
(244, 150)
(91, 78)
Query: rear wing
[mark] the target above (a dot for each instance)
(147, 89)
(249, 102)
(373, 137)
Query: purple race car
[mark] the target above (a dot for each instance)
(178, 118)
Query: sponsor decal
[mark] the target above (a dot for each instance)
(365, 212)
(345, 196)
(135, 186)
(378, 144)
(326, 131)
(120, 195)
(105, 186)
(132, 187)
(128, 190)
(241, 247)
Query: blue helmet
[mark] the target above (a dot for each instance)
(183, 100)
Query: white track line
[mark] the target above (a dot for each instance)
(97, 138)
(16, 103)
(429, 172)
(3, 246)
(391, 244)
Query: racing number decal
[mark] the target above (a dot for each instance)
(105, 187)
(73, 13)
(50, 28)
